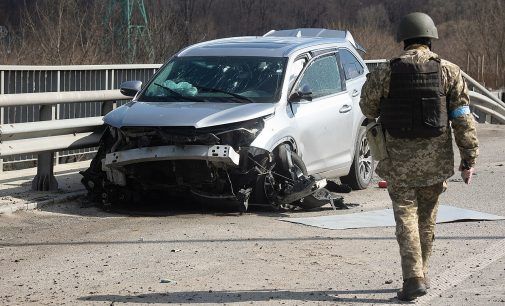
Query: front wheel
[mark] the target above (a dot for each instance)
(362, 168)
(265, 189)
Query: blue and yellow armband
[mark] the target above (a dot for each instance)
(459, 112)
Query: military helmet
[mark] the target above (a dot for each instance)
(416, 25)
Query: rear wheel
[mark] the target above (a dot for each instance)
(362, 168)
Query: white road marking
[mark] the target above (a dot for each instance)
(461, 271)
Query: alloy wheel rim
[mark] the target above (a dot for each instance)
(365, 161)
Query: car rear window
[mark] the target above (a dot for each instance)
(352, 66)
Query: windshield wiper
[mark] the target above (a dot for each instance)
(177, 94)
(238, 96)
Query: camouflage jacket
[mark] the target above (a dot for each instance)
(423, 162)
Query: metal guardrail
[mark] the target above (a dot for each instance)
(46, 137)
(58, 97)
(485, 101)
(38, 79)
(49, 135)
(45, 110)
(372, 64)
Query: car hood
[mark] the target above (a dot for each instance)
(196, 114)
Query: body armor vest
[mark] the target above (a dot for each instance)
(416, 106)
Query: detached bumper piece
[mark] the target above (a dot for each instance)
(218, 154)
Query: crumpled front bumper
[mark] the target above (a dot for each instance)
(219, 155)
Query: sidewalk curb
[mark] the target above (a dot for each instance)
(37, 205)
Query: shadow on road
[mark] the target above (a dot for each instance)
(198, 297)
(167, 206)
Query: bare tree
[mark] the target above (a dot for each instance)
(61, 32)
(481, 42)
(374, 30)
(75, 31)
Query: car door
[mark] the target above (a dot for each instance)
(323, 120)
(354, 72)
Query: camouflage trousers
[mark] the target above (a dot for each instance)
(415, 210)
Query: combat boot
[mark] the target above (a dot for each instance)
(412, 289)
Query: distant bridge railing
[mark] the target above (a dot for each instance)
(47, 113)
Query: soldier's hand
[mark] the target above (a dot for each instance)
(466, 174)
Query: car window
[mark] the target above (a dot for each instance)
(352, 67)
(323, 77)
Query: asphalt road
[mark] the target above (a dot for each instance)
(68, 254)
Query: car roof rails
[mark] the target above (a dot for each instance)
(315, 32)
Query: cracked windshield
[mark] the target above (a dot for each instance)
(218, 79)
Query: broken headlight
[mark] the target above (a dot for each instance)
(242, 134)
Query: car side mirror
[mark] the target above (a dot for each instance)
(130, 88)
(303, 92)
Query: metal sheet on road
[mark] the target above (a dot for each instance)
(385, 218)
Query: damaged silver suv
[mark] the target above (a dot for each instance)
(260, 120)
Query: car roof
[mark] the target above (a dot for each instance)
(273, 44)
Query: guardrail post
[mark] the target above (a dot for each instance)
(45, 179)
(107, 106)
(2, 112)
(56, 114)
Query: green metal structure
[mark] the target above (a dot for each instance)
(133, 26)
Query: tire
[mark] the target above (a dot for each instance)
(310, 202)
(283, 152)
(282, 165)
(362, 168)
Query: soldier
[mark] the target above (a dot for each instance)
(418, 97)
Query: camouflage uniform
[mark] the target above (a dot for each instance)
(416, 169)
